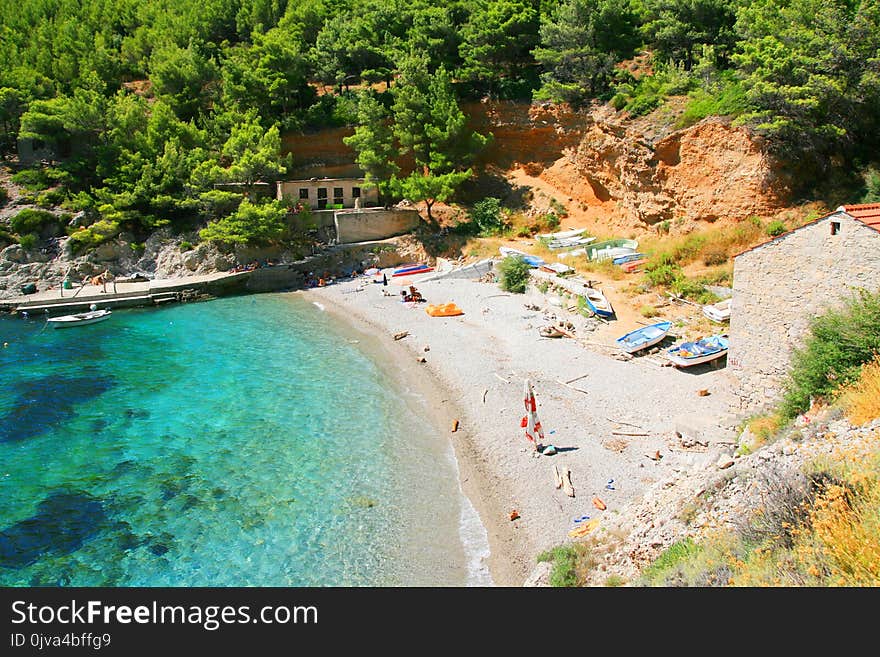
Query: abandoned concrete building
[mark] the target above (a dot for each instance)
(346, 210)
(329, 193)
(780, 285)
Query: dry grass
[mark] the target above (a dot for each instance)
(862, 399)
(604, 268)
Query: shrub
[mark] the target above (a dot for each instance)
(648, 311)
(775, 228)
(729, 100)
(669, 561)
(662, 271)
(568, 561)
(552, 220)
(99, 232)
(715, 255)
(487, 215)
(51, 198)
(218, 203)
(872, 186)
(250, 224)
(693, 289)
(31, 221)
(543, 286)
(4, 196)
(33, 180)
(839, 343)
(185, 246)
(663, 227)
(861, 399)
(514, 274)
(28, 240)
(558, 208)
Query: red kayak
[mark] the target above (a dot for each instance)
(415, 269)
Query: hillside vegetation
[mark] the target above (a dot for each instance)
(147, 104)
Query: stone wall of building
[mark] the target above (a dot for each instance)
(325, 193)
(374, 223)
(779, 287)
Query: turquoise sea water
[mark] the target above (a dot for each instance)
(247, 441)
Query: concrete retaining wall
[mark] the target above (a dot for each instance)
(374, 223)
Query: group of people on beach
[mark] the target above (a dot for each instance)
(318, 281)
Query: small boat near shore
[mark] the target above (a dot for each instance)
(644, 337)
(78, 319)
(410, 270)
(533, 261)
(611, 249)
(699, 351)
(628, 257)
(598, 302)
(562, 235)
(718, 312)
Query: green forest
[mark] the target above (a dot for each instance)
(149, 103)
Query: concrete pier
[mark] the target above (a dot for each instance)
(58, 301)
(338, 260)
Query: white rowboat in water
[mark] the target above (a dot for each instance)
(79, 319)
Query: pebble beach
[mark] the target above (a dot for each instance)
(613, 423)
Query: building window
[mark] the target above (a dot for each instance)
(322, 198)
(338, 196)
(835, 227)
(355, 192)
(304, 193)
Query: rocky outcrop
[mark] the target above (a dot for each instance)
(711, 492)
(706, 172)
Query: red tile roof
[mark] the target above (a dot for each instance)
(867, 213)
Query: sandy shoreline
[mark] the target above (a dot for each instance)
(474, 372)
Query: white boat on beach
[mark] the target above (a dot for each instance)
(78, 319)
(565, 234)
(718, 312)
(611, 249)
(570, 243)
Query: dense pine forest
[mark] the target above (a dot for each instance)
(149, 103)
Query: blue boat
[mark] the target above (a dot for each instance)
(598, 303)
(644, 337)
(698, 351)
(628, 257)
(533, 261)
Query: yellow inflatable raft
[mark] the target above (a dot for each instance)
(444, 310)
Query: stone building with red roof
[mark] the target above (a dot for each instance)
(780, 285)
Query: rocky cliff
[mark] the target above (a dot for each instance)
(709, 171)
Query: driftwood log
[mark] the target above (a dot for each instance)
(566, 482)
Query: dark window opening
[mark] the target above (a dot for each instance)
(835, 227)
(356, 192)
(337, 195)
(304, 193)
(322, 198)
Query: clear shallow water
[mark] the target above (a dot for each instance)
(244, 441)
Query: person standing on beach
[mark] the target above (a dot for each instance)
(384, 279)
